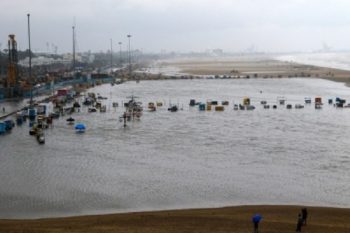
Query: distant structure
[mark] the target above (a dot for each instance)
(326, 47)
(12, 71)
(218, 52)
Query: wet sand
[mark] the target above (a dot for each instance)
(254, 66)
(276, 219)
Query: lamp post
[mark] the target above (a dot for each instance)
(129, 38)
(73, 28)
(120, 52)
(30, 63)
(111, 55)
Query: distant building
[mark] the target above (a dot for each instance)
(218, 52)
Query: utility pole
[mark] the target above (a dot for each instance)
(30, 63)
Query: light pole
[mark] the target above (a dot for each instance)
(73, 28)
(30, 63)
(120, 52)
(129, 38)
(111, 55)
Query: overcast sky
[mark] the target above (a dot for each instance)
(179, 25)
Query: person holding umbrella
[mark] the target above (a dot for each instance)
(256, 219)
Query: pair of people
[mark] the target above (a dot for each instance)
(302, 219)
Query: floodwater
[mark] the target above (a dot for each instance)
(185, 159)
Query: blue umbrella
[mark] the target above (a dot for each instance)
(257, 218)
(80, 126)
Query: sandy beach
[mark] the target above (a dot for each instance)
(276, 219)
(254, 67)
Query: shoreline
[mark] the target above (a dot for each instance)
(243, 67)
(276, 218)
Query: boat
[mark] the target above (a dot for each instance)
(92, 110)
(103, 108)
(307, 100)
(32, 114)
(219, 108)
(9, 124)
(339, 103)
(318, 100)
(133, 107)
(281, 100)
(214, 102)
(173, 108)
(76, 105)
(54, 115)
(101, 97)
(80, 128)
(88, 101)
(33, 130)
(151, 107)
(98, 105)
(19, 118)
(250, 107)
(2, 127)
(40, 137)
(70, 120)
(246, 101)
(318, 106)
(41, 109)
(192, 102)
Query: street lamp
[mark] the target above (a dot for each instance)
(111, 55)
(120, 52)
(129, 38)
(73, 28)
(30, 63)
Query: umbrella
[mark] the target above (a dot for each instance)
(80, 126)
(257, 218)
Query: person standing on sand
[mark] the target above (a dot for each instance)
(256, 219)
(304, 215)
(299, 223)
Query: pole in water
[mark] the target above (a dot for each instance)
(124, 116)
